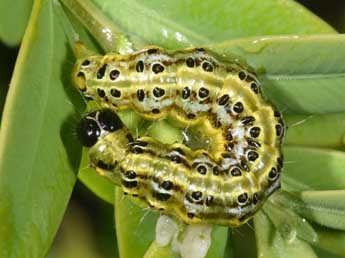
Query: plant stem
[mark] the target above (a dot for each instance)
(100, 26)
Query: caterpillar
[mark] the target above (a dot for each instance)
(225, 183)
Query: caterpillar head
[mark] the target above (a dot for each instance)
(104, 133)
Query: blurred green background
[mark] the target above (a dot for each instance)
(87, 230)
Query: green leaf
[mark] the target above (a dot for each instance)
(242, 241)
(39, 153)
(288, 223)
(160, 252)
(272, 245)
(300, 74)
(135, 227)
(175, 24)
(219, 241)
(330, 240)
(14, 15)
(326, 208)
(171, 134)
(326, 131)
(313, 169)
(229, 248)
(101, 186)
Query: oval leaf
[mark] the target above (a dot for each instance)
(14, 16)
(272, 245)
(326, 208)
(326, 131)
(313, 169)
(39, 153)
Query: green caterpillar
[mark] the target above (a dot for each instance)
(224, 185)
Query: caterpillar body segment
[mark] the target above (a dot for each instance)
(224, 184)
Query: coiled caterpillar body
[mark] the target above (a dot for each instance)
(225, 184)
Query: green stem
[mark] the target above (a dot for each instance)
(101, 27)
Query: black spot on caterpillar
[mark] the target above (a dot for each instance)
(224, 185)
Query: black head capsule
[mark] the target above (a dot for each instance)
(88, 130)
(109, 121)
(91, 126)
